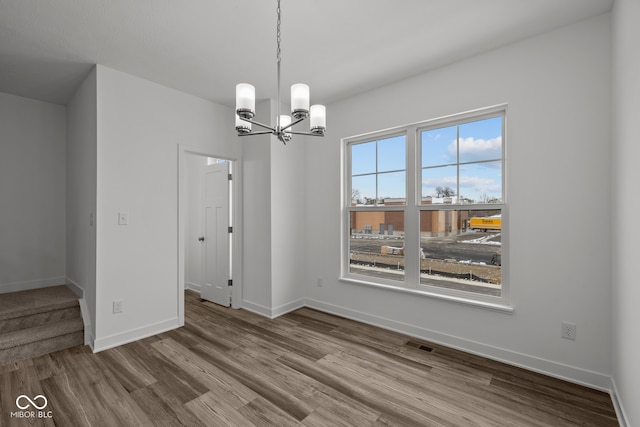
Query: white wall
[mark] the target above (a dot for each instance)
(626, 234)
(256, 288)
(557, 86)
(195, 165)
(32, 193)
(140, 125)
(81, 194)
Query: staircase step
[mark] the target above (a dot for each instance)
(39, 348)
(35, 301)
(37, 322)
(39, 340)
(31, 320)
(40, 333)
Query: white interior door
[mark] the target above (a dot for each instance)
(217, 243)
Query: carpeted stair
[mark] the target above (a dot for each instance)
(37, 322)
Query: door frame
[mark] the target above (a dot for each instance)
(236, 218)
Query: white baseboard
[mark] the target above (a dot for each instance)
(568, 373)
(104, 343)
(288, 307)
(617, 405)
(74, 287)
(86, 320)
(32, 284)
(193, 286)
(256, 308)
(272, 313)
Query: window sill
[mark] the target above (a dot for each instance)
(450, 298)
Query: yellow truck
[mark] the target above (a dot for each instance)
(486, 223)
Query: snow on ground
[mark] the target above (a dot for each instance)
(485, 240)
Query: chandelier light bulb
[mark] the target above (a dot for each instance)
(318, 120)
(284, 122)
(299, 100)
(245, 100)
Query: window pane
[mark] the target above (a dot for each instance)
(391, 185)
(363, 189)
(376, 244)
(439, 184)
(363, 158)
(462, 249)
(481, 140)
(392, 154)
(439, 146)
(481, 182)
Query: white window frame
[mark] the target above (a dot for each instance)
(411, 282)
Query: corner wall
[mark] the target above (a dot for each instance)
(81, 195)
(288, 228)
(626, 205)
(32, 193)
(557, 86)
(274, 220)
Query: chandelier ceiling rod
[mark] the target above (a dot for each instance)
(279, 60)
(245, 106)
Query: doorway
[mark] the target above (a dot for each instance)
(215, 241)
(209, 241)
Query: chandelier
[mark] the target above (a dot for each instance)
(300, 110)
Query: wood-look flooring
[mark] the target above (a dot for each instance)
(233, 368)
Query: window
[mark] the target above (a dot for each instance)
(378, 171)
(463, 161)
(427, 207)
(378, 196)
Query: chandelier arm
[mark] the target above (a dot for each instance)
(262, 125)
(292, 123)
(305, 133)
(266, 132)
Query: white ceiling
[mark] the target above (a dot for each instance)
(206, 47)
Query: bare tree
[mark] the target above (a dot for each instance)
(355, 195)
(444, 192)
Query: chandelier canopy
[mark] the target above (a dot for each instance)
(300, 110)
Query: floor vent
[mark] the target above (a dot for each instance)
(419, 346)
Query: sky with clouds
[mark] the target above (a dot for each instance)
(478, 148)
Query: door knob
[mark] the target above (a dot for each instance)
(201, 239)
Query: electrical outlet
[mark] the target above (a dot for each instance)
(117, 306)
(123, 218)
(569, 330)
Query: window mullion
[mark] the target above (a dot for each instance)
(376, 196)
(458, 162)
(411, 216)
